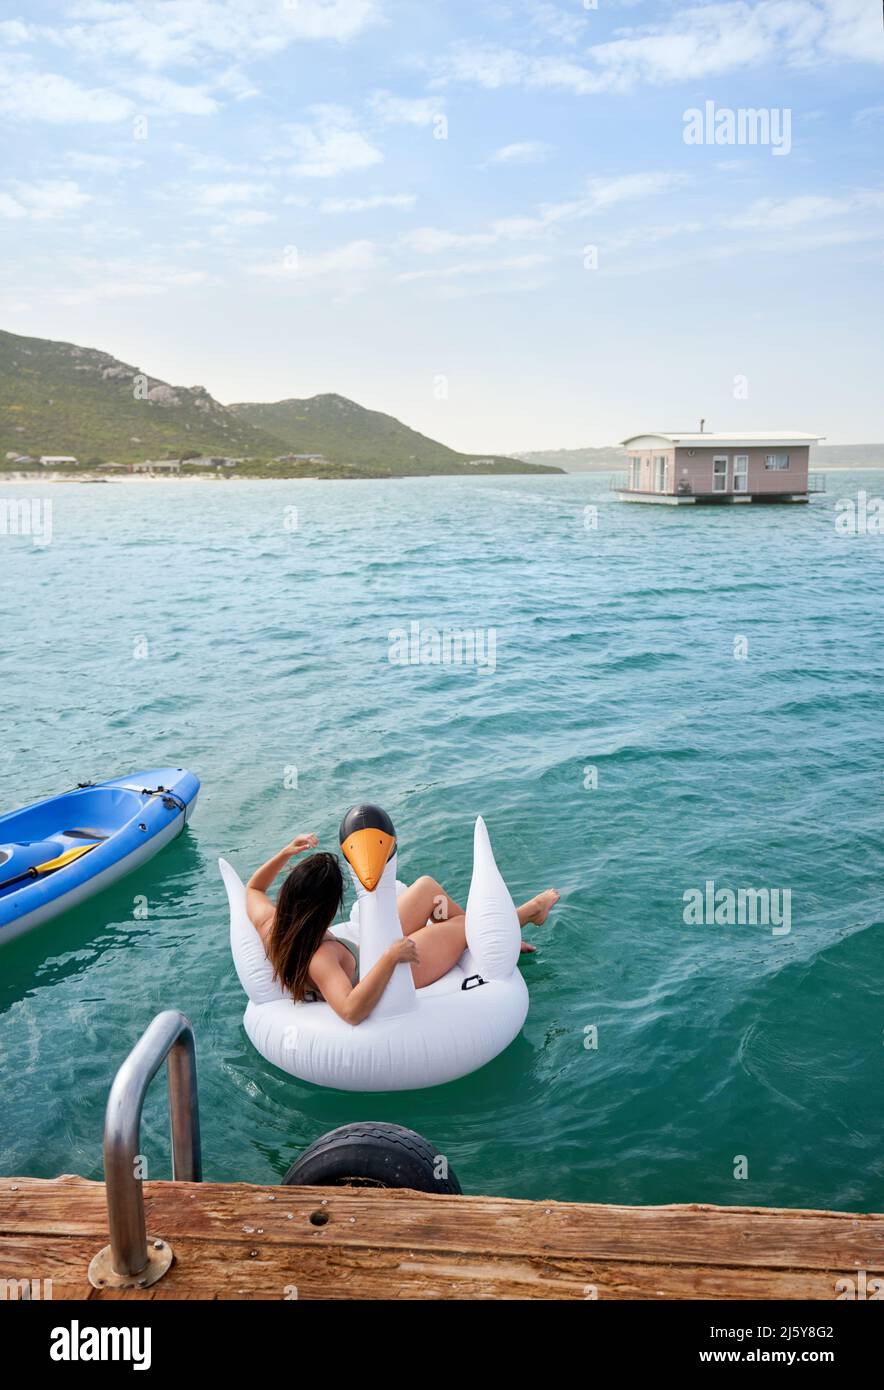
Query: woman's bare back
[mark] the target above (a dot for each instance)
(345, 958)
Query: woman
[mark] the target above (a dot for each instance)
(307, 960)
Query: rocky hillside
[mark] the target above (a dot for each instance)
(343, 431)
(58, 398)
(62, 399)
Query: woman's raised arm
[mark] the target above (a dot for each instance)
(258, 905)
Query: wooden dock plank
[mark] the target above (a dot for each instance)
(243, 1241)
(234, 1272)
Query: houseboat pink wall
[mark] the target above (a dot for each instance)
(695, 465)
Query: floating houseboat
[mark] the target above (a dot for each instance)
(681, 469)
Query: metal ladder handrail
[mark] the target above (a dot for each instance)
(129, 1259)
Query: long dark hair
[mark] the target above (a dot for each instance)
(308, 902)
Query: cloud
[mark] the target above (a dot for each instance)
(41, 201)
(236, 84)
(489, 65)
(14, 31)
(119, 35)
(175, 98)
(379, 200)
(794, 212)
(27, 94)
(356, 255)
(650, 235)
(346, 260)
(100, 163)
(852, 31)
(627, 188)
(466, 268)
(602, 194)
(331, 145)
(803, 222)
(227, 205)
(869, 115)
(429, 241)
(523, 152)
(570, 28)
(420, 111)
(126, 279)
(249, 218)
(209, 162)
(158, 34)
(699, 41)
(219, 195)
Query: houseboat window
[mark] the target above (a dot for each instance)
(778, 462)
(741, 472)
(719, 473)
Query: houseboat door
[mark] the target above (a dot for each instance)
(719, 473)
(741, 472)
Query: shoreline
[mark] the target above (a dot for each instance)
(158, 479)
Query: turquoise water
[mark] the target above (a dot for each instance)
(267, 650)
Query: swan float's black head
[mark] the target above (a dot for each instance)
(368, 841)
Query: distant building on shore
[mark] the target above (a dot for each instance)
(176, 465)
(683, 468)
(57, 460)
(300, 458)
(216, 461)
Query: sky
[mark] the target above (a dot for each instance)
(491, 220)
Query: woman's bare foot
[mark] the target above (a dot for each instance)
(536, 910)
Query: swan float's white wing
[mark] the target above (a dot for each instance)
(493, 933)
(252, 966)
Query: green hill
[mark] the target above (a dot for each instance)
(344, 432)
(58, 398)
(62, 399)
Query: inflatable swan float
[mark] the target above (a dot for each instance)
(413, 1037)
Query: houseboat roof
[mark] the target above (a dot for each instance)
(727, 437)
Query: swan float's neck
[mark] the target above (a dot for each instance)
(379, 928)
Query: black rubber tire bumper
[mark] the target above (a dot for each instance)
(373, 1154)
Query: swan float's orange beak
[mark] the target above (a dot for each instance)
(368, 840)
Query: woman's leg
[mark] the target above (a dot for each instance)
(537, 909)
(439, 946)
(426, 900)
(441, 943)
